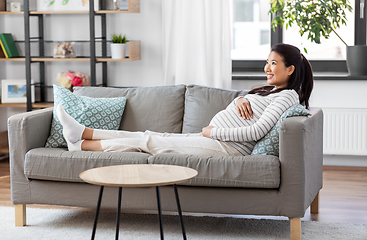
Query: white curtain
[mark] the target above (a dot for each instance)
(197, 42)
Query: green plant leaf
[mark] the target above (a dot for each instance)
(317, 18)
(119, 39)
(52, 2)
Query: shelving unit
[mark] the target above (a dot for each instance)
(93, 59)
(134, 47)
(24, 105)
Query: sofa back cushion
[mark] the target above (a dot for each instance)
(158, 109)
(202, 103)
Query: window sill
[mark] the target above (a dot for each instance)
(333, 76)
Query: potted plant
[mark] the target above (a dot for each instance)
(118, 46)
(319, 18)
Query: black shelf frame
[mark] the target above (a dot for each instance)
(41, 41)
(27, 42)
(93, 38)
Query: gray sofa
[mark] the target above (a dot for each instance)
(246, 185)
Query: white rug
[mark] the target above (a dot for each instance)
(55, 224)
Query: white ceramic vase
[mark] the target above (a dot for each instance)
(118, 50)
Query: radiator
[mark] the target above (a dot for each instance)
(345, 131)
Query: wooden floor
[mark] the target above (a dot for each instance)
(342, 199)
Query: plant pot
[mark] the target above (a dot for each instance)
(118, 50)
(357, 60)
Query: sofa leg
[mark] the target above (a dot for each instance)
(315, 204)
(295, 228)
(20, 215)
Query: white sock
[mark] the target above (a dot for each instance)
(72, 130)
(77, 146)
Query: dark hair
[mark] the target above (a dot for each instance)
(301, 79)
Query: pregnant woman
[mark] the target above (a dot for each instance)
(232, 132)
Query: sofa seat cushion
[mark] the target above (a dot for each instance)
(257, 171)
(58, 164)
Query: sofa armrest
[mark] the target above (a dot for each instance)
(25, 131)
(301, 159)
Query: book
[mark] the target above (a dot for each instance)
(8, 45)
(2, 55)
(2, 50)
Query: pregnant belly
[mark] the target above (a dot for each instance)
(229, 118)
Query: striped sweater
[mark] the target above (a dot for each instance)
(242, 134)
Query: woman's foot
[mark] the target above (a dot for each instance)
(72, 130)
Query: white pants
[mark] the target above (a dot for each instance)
(154, 143)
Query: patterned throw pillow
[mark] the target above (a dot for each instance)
(98, 113)
(269, 144)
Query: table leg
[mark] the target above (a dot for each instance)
(118, 214)
(97, 212)
(179, 211)
(159, 212)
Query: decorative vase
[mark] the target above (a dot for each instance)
(118, 50)
(357, 60)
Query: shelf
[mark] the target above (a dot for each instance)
(136, 10)
(24, 105)
(51, 59)
(12, 59)
(6, 12)
(57, 12)
(134, 51)
(46, 12)
(114, 60)
(4, 150)
(4, 146)
(133, 7)
(46, 59)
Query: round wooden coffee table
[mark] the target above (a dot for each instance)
(138, 175)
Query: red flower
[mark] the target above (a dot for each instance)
(77, 82)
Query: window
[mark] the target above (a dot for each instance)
(251, 29)
(252, 36)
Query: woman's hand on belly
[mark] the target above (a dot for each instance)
(244, 109)
(206, 131)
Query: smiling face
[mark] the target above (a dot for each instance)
(276, 71)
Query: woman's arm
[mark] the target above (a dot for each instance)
(265, 123)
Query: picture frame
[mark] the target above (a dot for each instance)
(14, 91)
